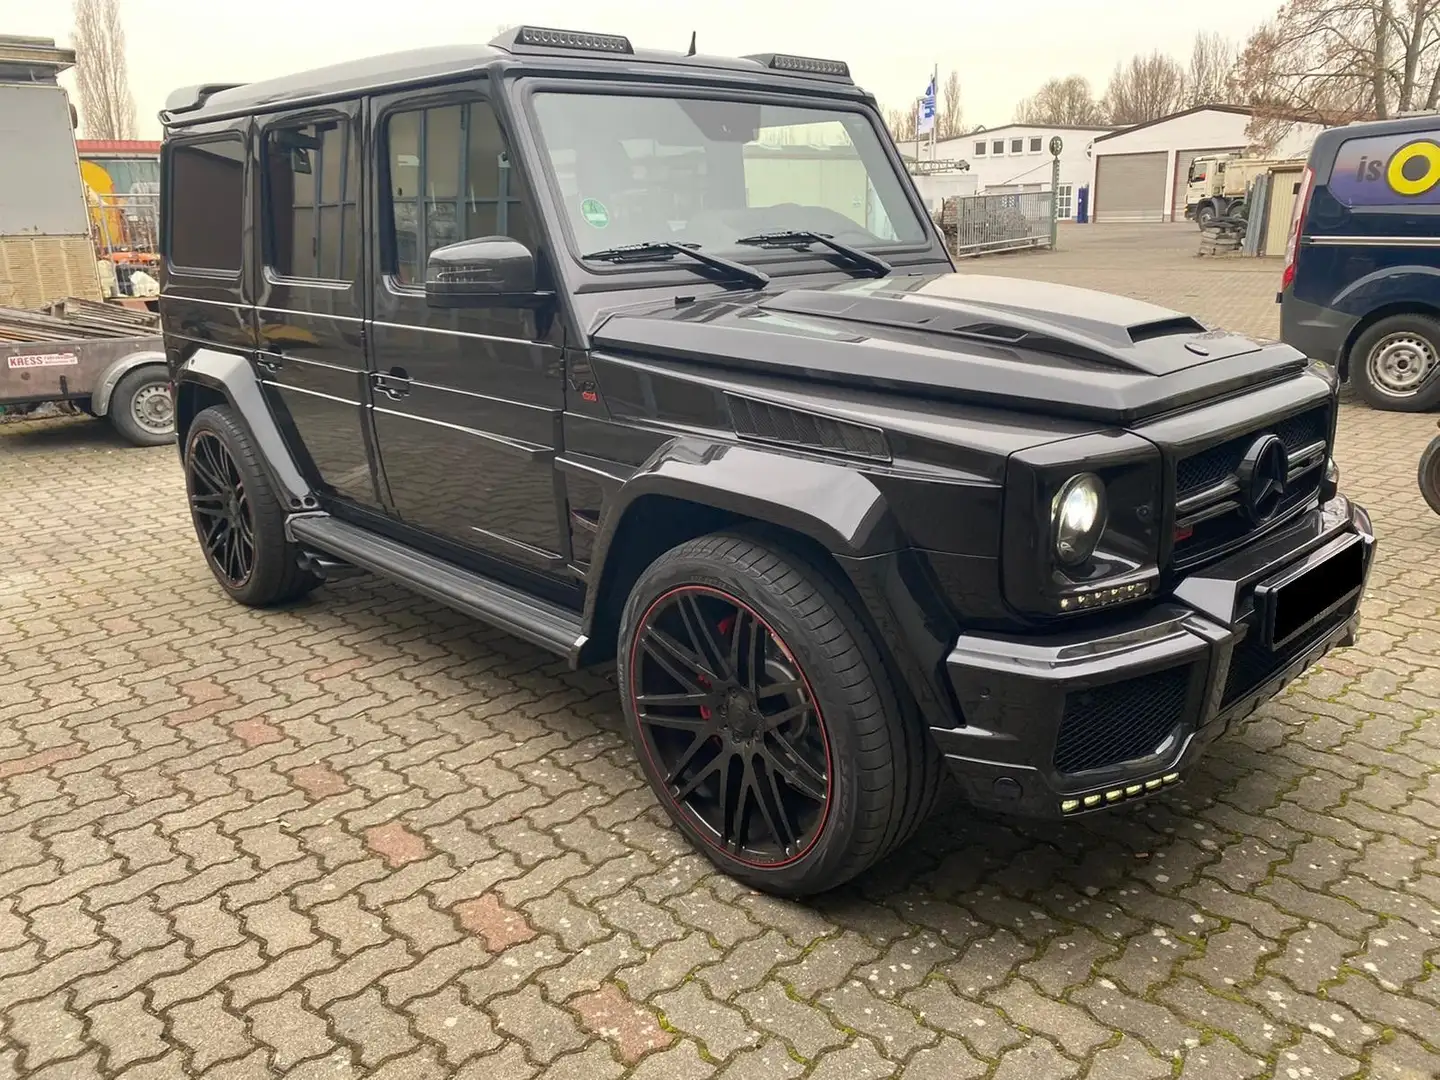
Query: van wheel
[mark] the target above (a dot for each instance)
(237, 518)
(764, 718)
(141, 408)
(1395, 364)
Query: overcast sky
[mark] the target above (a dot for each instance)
(1002, 50)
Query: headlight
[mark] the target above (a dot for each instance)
(1077, 518)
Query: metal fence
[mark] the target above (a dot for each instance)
(975, 224)
(126, 231)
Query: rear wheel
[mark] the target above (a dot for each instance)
(237, 518)
(141, 408)
(1395, 364)
(1430, 474)
(764, 718)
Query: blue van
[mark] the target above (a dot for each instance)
(1361, 285)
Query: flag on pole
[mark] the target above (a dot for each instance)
(926, 120)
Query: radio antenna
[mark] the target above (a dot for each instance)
(692, 44)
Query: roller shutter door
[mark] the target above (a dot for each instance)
(1131, 187)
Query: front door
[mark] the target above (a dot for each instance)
(310, 308)
(467, 403)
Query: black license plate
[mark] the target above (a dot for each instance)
(1300, 598)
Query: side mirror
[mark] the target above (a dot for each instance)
(491, 271)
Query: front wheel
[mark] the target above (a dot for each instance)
(1395, 364)
(1430, 474)
(238, 519)
(1205, 214)
(764, 718)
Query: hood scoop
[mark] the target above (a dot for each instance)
(1115, 333)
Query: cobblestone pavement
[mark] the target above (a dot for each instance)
(366, 837)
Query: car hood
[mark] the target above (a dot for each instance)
(1021, 344)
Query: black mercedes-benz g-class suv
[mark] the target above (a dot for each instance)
(658, 357)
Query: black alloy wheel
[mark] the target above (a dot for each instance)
(729, 721)
(220, 505)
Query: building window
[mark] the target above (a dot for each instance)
(1065, 202)
(456, 155)
(207, 204)
(980, 148)
(312, 183)
(1017, 146)
(1035, 144)
(998, 146)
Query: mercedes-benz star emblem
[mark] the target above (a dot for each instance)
(1263, 472)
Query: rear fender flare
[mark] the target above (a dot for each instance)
(117, 370)
(233, 377)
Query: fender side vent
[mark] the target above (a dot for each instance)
(767, 422)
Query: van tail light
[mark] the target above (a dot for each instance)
(1297, 225)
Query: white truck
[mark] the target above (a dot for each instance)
(1218, 184)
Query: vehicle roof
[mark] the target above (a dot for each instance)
(1328, 142)
(441, 62)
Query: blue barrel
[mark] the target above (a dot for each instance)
(1082, 204)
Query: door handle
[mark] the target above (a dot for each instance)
(393, 387)
(270, 363)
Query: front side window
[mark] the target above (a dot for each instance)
(207, 204)
(312, 178)
(633, 169)
(451, 179)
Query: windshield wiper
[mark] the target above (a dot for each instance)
(668, 249)
(798, 238)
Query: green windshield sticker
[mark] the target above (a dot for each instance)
(595, 213)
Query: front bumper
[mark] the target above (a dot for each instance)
(1079, 720)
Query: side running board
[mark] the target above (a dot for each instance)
(537, 621)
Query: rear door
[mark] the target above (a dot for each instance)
(310, 309)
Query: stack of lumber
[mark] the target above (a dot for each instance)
(74, 319)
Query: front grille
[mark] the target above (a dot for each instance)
(1120, 722)
(1207, 525)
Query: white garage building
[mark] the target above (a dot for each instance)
(1016, 158)
(1139, 174)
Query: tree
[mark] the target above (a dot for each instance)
(1146, 88)
(949, 115)
(1334, 61)
(1060, 101)
(902, 122)
(100, 71)
(1213, 61)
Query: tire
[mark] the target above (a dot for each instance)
(141, 408)
(1395, 364)
(235, 511)
(881, 770)
(1205, 213)
(1430, 474)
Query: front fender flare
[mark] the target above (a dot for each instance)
(832, 503)
(232, 376)
(117, 370)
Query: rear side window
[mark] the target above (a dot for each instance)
(207, 204)
(312, 184)
(1388, 170)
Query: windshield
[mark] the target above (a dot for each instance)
(633, 169)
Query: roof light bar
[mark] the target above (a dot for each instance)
(809, 65)
(545, 38)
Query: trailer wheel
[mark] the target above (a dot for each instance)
(141, 408)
